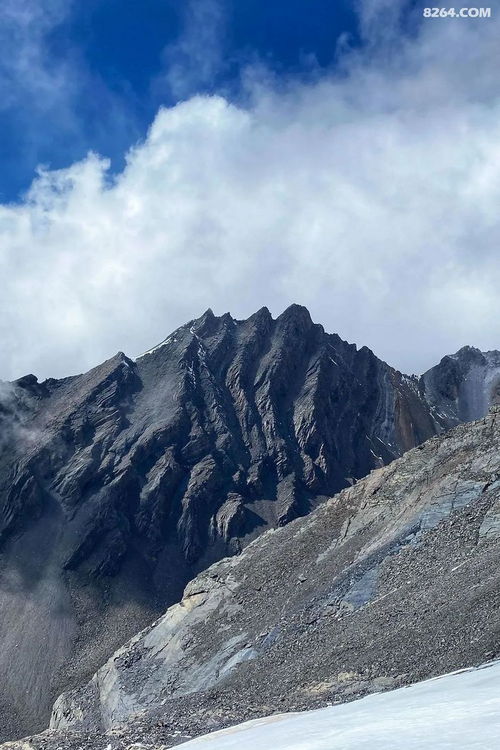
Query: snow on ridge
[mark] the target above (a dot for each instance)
(170, 339)
(154, 348)
(460, 710)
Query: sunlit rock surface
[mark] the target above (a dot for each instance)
(118, 486)
(387, 583)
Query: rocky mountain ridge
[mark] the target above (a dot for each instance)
(391, 581)
(118, 486)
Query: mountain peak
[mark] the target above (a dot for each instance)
(147, 473)
(207, 315)
(296, 310)
(469, 354)
(262, 312)
(297, 314)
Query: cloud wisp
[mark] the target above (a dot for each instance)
(14, 417)
(194, 60)
(370, 196)
(51, 102)
(35, 86)
(26, 68)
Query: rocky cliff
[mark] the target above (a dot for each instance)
(120, 485)
(462, 386)
(390, 581)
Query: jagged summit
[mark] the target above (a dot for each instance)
(297, 313)
(126, 481)
(463, 386)
(262, 312)
(467, 352)
(209, 322)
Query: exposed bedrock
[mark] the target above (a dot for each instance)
(120, 485)
(388, 582)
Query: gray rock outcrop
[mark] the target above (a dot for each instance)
(390, 581)
(118, 486)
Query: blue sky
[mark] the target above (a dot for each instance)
(344, 155)
(116, 58)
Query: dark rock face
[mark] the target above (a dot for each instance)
(118, 486)
(462, 386)
(391, 581)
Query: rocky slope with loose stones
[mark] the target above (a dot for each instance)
(391, 581)
(118, 486)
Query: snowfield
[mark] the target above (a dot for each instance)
(459, 711)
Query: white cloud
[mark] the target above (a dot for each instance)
(48, 92)
(32, 81)
(196, 57)
(372, 197)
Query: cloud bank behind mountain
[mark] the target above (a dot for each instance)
(370, 194)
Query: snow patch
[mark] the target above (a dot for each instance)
(460, 711)
(155, 348)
